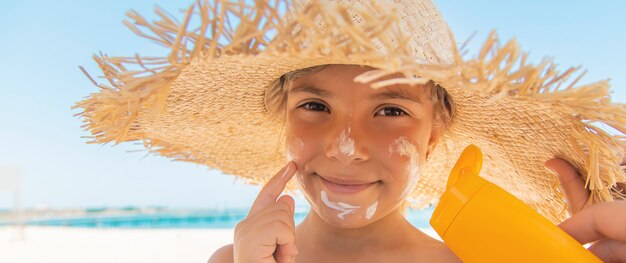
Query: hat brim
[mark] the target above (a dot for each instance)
(209, 109)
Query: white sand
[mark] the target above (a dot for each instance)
(61, 244)
(58, 244)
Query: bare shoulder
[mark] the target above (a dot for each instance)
(430, 249)
(222, 255)
(442, 253)
(434, 251)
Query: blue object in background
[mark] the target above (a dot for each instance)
(207, 219)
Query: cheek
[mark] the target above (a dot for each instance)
(297, 152)
(295, 149)
(411, 153)
(301, 138)
(301, 148)
(407, 159)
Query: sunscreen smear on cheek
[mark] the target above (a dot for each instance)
(405, 148)
(293, 149)
(371, 210)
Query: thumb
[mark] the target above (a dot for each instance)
(287, 251)
(288, 200)
(571, 182)
(609, 250)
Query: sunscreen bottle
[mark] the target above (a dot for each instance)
(480, 222)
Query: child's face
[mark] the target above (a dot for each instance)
(358, 150)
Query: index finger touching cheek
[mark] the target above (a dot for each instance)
(273, 188)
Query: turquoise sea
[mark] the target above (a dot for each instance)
(227, 218)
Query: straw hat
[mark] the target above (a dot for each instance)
(204, 102)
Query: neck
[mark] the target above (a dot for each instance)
(385, 232)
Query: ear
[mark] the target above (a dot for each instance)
(435, 135)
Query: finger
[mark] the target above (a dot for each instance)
(281, 210)
(571, 182)
(273, 188)
(287, 251)
(599, 221)
(287, 200)
(271, 236)
(287, 203)
(609, 250)
(252, 223)
(283, 242)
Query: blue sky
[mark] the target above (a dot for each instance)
(44, 42)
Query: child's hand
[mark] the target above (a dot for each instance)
(268, 232)
(602, 223)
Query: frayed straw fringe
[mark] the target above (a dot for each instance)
(498, 72)
(109, 114)
(494, 74)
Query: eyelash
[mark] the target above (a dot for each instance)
(394, 109)
(307, 106)
(321, 107)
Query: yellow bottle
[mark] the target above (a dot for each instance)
(480, 222)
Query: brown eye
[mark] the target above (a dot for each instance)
(314, 106)
(391, 112)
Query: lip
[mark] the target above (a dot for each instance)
(341, 186)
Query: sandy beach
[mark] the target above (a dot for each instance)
(63, 244)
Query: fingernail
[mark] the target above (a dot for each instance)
(287, 169)
(547, 166)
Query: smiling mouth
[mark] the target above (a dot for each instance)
(346, 187)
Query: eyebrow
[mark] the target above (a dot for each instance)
(313, 90)
(390, 94)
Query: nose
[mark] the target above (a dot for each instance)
(343, 147)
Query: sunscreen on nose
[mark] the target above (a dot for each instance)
(480, 222)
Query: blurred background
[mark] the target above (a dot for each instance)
(44, 42)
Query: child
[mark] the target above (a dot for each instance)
(357, 153)
(370, 103)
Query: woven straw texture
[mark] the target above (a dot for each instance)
(204, 102)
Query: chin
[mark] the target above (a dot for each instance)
(343, 208)
(349, 221)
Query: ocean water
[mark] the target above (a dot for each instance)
(197, 219)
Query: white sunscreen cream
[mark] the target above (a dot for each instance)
(405, 148)
(343, 208)
(296, 145)
(346, 144)
(371, 210)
